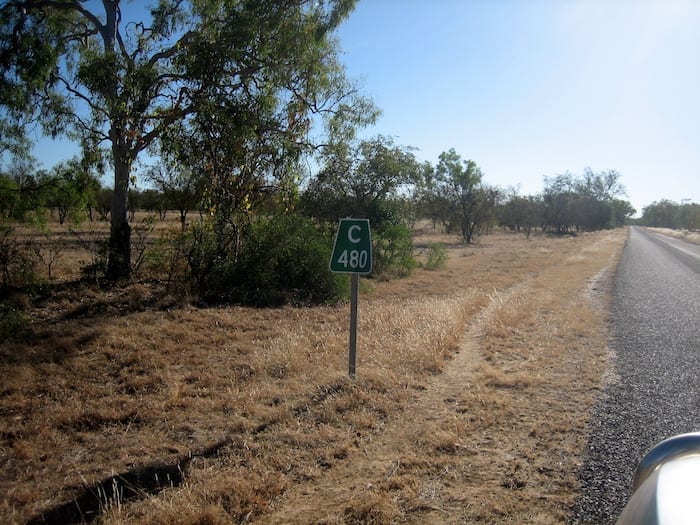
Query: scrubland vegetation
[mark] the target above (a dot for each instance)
(672, 215)
(473, 389)
(176, 353)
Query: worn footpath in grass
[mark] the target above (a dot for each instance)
(473, 391)
(497, 437)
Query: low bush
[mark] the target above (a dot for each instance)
(96, 268)
(18, 262)
(13, 323)
(436, 256)
(393, 251)
(278, 260)
(283, 260)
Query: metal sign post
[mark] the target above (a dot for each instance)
(352, 351)
(352, 253)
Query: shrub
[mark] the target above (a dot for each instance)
(18, 262)
(96, 268)
(284, 259)
(13, 323)
(278, 260)
(436, 256)
(165, 259)
(209, 249)
(393, 251)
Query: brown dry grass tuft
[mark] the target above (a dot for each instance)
(685, 235)
(473, 391)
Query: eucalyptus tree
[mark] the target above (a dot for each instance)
(458, 196)
(70, 188)
(121, 75)
(558, 198)
(361, 178)
(177, 187)
(520, 212)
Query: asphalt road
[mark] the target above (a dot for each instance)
(655, 329)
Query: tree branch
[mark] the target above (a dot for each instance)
(74, 5)
(172, 50)
(82, 96)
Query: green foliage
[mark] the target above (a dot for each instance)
(369, 180)
(436, 256)
(454, 194)
(18, 263)
(285, 260)
(164, 258)
(521, 213)
(22, 198)
(382, 214)
(13, 323)
(281, 260)
(233, 81)
(210, 252)
(103, 199)
(70, 189)
(669, 214)
(583, 203)
(362, 180)
(393, 251)
(9, 197)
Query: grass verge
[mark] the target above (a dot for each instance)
(473, 392)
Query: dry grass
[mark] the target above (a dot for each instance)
(685, 235)
(473, 392)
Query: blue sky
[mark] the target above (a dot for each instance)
(530, 88)
(534, 88)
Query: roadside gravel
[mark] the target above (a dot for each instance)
(655, 392)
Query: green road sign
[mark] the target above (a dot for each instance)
(352, 251)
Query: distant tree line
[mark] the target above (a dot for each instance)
(70, 190)
(669, 214)
(234, 101)
(570, 203)
(246, 236)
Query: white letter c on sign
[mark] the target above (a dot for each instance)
(352, 239)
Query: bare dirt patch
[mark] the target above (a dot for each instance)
(474, 389)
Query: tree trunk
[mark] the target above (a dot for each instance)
(119, 262)
(119, 257)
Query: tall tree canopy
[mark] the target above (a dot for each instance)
(669, 214)
(588, 202)
(359, 179)
(107, 74)
(454, 193)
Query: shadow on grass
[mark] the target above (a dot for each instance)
(115, 490)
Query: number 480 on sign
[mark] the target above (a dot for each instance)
(353, 258)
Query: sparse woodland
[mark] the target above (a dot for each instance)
(172, 339)
(231, 103)
(474, 385)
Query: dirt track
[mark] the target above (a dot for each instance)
(497, 435)
(474, 391)
(380, 459)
